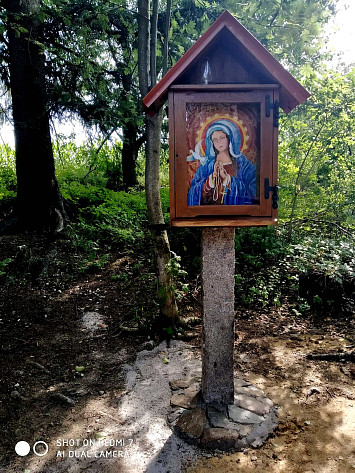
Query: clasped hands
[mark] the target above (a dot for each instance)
(219, 170)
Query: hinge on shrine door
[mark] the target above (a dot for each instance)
(275, 105)
(275, 193)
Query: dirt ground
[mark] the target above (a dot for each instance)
(316, 431)
(63, 369)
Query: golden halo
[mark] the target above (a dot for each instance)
(241, 125)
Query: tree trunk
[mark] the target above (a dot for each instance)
(130, 148)
(167, 300)
(39, 202)
(143, 46)
(166, 36)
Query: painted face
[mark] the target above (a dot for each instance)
(220, 141)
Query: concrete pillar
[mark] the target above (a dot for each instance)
(218, 270)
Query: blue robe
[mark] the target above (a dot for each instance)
(242, 188)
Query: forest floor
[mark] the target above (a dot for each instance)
(65, 348)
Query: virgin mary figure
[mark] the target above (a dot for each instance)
(225, 176)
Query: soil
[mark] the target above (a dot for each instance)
(66, 344)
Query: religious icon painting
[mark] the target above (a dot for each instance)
(223, 163)
(223, 156)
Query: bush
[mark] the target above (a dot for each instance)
(105, 216)
(318, 272)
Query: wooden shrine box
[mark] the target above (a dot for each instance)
(224, 98)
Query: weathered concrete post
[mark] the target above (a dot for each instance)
(218, 270)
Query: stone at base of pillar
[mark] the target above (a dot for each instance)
(248, 422)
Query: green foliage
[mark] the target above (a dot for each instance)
(92, 72)
(8, 181)
(105, 216)
(292, 31)
(318, 271)
(316, 153)
(90, 163)
(334, 259)
(179, 275)
(4, 266)
(94, 262)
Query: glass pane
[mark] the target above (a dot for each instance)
(224, 161)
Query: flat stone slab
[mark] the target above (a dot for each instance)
(180, 400)
(239, 382)
(261, 432)
(187, 399)
(249, 391)
(219, 419)
(243, 416)
(182, 383)
(251, 404)
(244, 430)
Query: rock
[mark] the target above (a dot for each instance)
(219, 419)
(181, 383)
(250, 391)
(16, 395)
(149, 345)
(262, 431)
(191, 424)
(194, 389)
(221, 439)
(181, 400)
(240, 445)
(239, 383)
(188, 399)
(243, 416)
(266, 401)
(243, 429)
(175, 414)
(251, 404)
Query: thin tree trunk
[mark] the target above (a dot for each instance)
(129, 155)
(143, 46)
(167, 299)
(168, 307)
(166, 36)
(153, 43)
(39, 202)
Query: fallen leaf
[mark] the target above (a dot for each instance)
(165, 360)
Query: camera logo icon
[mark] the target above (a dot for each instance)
(23, 448)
